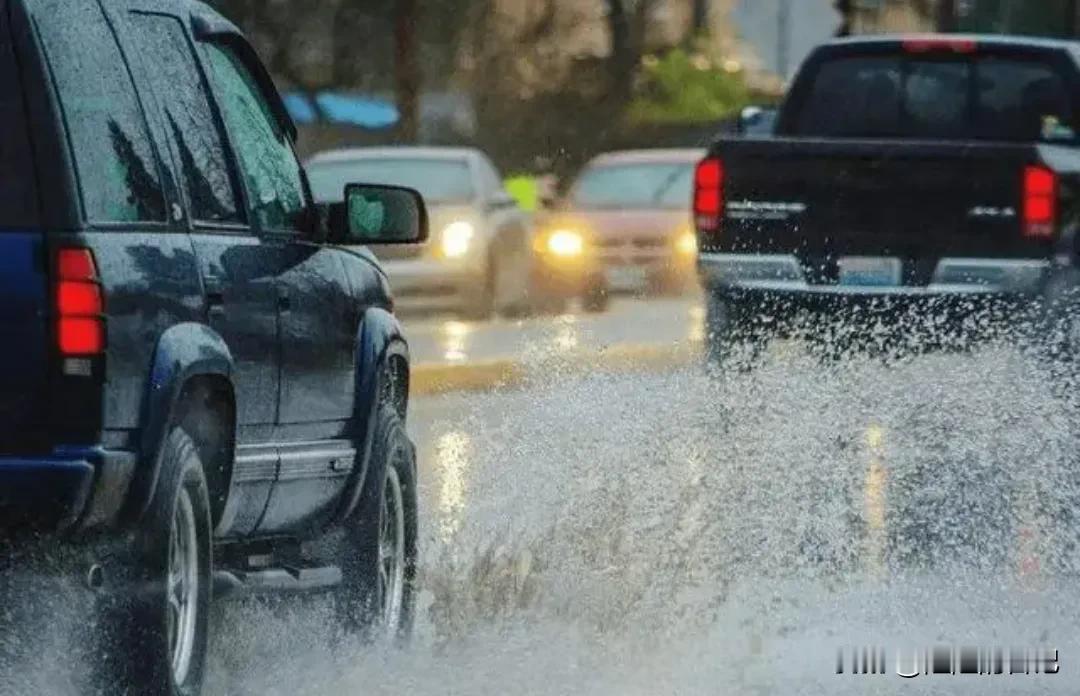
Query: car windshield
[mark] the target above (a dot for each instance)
(661, 185)
(438, 180)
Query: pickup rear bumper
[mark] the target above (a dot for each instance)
(782, 274)
(70, 489)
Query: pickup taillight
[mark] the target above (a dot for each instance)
(80, 306)
(1040, 202)
(709, 196)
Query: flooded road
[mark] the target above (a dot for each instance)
(664, 534)
(675, 533)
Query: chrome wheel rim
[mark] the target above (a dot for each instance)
(392, 552)
(182, 587)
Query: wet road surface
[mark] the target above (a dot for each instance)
(447, 340)
(670, 533)
(675, 533)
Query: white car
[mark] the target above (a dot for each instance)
(479, 258)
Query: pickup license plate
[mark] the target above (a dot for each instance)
(626, 277)
(872, 271)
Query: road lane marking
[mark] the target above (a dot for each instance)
(432, 379)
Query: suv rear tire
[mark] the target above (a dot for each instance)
(159, 618)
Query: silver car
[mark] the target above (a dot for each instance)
(479, 258)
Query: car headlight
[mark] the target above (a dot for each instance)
(686, 243)
(457, 239)
(565, 243)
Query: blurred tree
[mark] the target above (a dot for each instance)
(699, 17)
(846, 10)
(1044, 18)
(947, 18)
(687, 88)
(627, 23)
(407, 69)
(369, 45)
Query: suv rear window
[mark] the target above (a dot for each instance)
(18, 195)
(117, 168)
(983, 97)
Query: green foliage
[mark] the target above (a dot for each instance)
(684, 88)
(1042, 18)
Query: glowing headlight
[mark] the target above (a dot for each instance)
(565, 243)
(456, 239)
(686, 243)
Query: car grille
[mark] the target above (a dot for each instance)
(634, 251)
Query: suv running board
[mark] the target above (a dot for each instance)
(240, 583)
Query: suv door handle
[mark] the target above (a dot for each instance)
(215, 296)
(284, 302)
(213, 287)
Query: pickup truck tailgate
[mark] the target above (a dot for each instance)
(918, 201)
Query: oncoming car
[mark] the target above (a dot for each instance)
(203, 388)
(479, 259)
(632, 210)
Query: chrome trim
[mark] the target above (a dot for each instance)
(953, 276)
(1004, 275)
(739, 269)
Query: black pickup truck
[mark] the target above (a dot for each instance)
(906, 175)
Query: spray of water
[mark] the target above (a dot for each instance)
(680, 533)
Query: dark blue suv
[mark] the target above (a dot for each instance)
(201, 390)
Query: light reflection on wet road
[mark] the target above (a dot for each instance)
(947, 534)
(629, 322)
(668, 533)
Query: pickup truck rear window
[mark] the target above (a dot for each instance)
(970, 97)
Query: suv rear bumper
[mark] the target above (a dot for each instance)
(72, 488)
(782, 274)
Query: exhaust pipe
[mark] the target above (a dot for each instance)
(95, 577)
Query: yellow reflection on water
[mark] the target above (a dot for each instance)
(874, 500)
(696, 331)
(453, 335)
(453, 458)
(567, 334)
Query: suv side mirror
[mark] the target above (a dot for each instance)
(378, 215)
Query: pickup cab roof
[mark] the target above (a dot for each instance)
(963, 44)
(975, 41)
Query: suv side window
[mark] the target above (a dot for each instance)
(117, 169)
(271, 170)
(171, 68)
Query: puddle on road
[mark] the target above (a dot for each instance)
(673, 534)
(453, 339)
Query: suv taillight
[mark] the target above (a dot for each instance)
(709, 196)
(80, 307)
(1040, 202)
